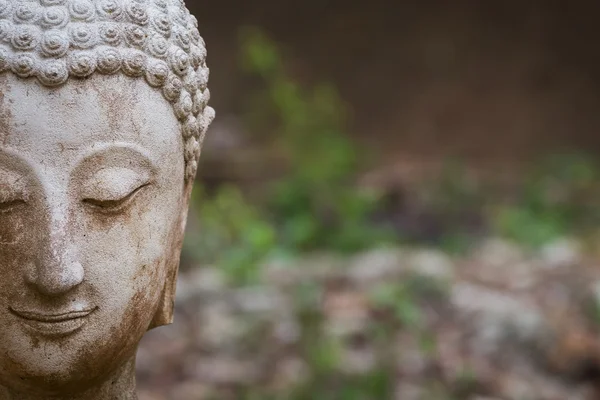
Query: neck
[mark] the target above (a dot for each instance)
(120, 385)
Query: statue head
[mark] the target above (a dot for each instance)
(103, 109)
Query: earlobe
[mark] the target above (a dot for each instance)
(164, 311)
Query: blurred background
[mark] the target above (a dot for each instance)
(397, 200)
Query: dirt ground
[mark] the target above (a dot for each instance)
(500, 323)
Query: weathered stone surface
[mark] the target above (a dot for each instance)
(97, 157)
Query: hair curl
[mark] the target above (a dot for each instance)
(54, 40)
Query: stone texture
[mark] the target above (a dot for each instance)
(95, 179)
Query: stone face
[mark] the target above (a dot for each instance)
(95, 178)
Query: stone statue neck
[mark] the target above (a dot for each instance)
(118, 386)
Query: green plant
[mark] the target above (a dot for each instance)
(457, 200)
(233, 235)
(558, 198)
(315, 205)
(400, 300)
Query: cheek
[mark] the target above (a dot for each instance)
(125, 256)
(18, 235)
(11, 264)
(12, 229)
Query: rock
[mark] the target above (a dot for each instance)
(410, 360)
(261, 299)
(492, 327)
(281, 273)
(433, 264)
(217, 326)
(449, 352)
(190, 391)
(477, 397)
(596, 293)
(518, 386)
(346, 312)
(287, 330)
(498, 252)
(376, 266)
(495, 314)
(200, 281)
(562, 253)
(290, 372)
(224, 370)
(501, 263)
(314, 267)
(152, 395)
(358, 361)
(409, 391)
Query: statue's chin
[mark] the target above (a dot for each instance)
(49, 378)
(38, 362)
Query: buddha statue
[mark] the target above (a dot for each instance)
(103, 109)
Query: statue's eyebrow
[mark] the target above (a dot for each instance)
(11, 182)
(119, 154)
(13, 170)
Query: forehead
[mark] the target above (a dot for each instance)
(55, 126)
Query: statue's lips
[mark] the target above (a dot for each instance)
(54, 324)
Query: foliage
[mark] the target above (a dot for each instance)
(375, 385)
(233, 234)
(456, 199)
(558, 198)
(315, 205)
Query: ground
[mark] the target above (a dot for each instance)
(497, 323)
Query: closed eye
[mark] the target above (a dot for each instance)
(10, 205)
(114, 205)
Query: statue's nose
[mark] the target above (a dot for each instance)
(57, 270)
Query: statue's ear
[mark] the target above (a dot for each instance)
(164, 311)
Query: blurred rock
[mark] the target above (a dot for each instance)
(562, 253)
(410, 359)
(501, 263)
(149, 395)
(511, 324)
(433, 264)
(281, 273)
(264, 300)
(290, 373)
(224, 371)
(190, 391)
(409, 391)
(494, 315)
(376, 266)
(346, 312)
(358, 361)
(287, 330)
(205, 280)
(498, 252)
(216, 325)
(483, 398)
(312, 267)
